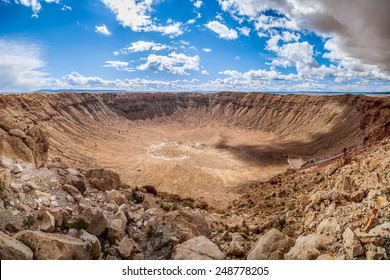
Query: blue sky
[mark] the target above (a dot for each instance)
(192, 45)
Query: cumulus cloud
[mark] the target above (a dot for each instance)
(137, 16)
(173, 63)
(102, 29)
(244, 30)
(222, 30)
(360, 29)
(207, 50)
(35, 5)
(20, 65)
(198, 3)
(142, 46)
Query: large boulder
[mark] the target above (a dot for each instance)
(116, 229)
(198, 248)
(51, 246)
(352, 244)
(271, 246)
(382, 230)
(93, 244)
(95, 219)
(74, 178)
(116, 196)
(103, 179)
(308, 247)
(45, 221)
(12, 249)
(329, 227)
(185, 225)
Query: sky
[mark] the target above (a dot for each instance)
(195, 45)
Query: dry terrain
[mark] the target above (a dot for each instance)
(217, 162)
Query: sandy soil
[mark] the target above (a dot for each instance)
(205, 162)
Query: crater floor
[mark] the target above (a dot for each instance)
(204, 162)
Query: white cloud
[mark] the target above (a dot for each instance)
(21, 65)
(173, 63)
(174, 29)
(222, 30)
(207, 50)
(134, 14)
(66, 8)
(198, 4)
(115, 64)
(359, 28)
(237, 57)
(142, 46)
(137, 16)
(102, 29)
(244, 30)
(75, 79)
(204, 72)
(35, 5)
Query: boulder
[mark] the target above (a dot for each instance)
(95, 219)
(44, 221)
(12, 249)
(93, 244)
(359, 195)
(103, 179)
(116, 229)
(271, 246)
(125, 247)
(329, 227)
(74, 178)
(149, 189)
(352, 245)
(185, 224)
(51, 246)
(17, 133)
(326, 257)
(346, 183)
(237, 246)
(318, 197)
(17, 169)
(198, 248)
(58, 215)
(309, 247)
(382, 230)
(116, 196)
(5, 178)
(73, 191)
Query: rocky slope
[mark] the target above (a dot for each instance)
(53, 210)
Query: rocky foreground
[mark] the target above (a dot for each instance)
(338, 211)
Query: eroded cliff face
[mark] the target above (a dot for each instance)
(30, 123)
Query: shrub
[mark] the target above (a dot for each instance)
(136, 197)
